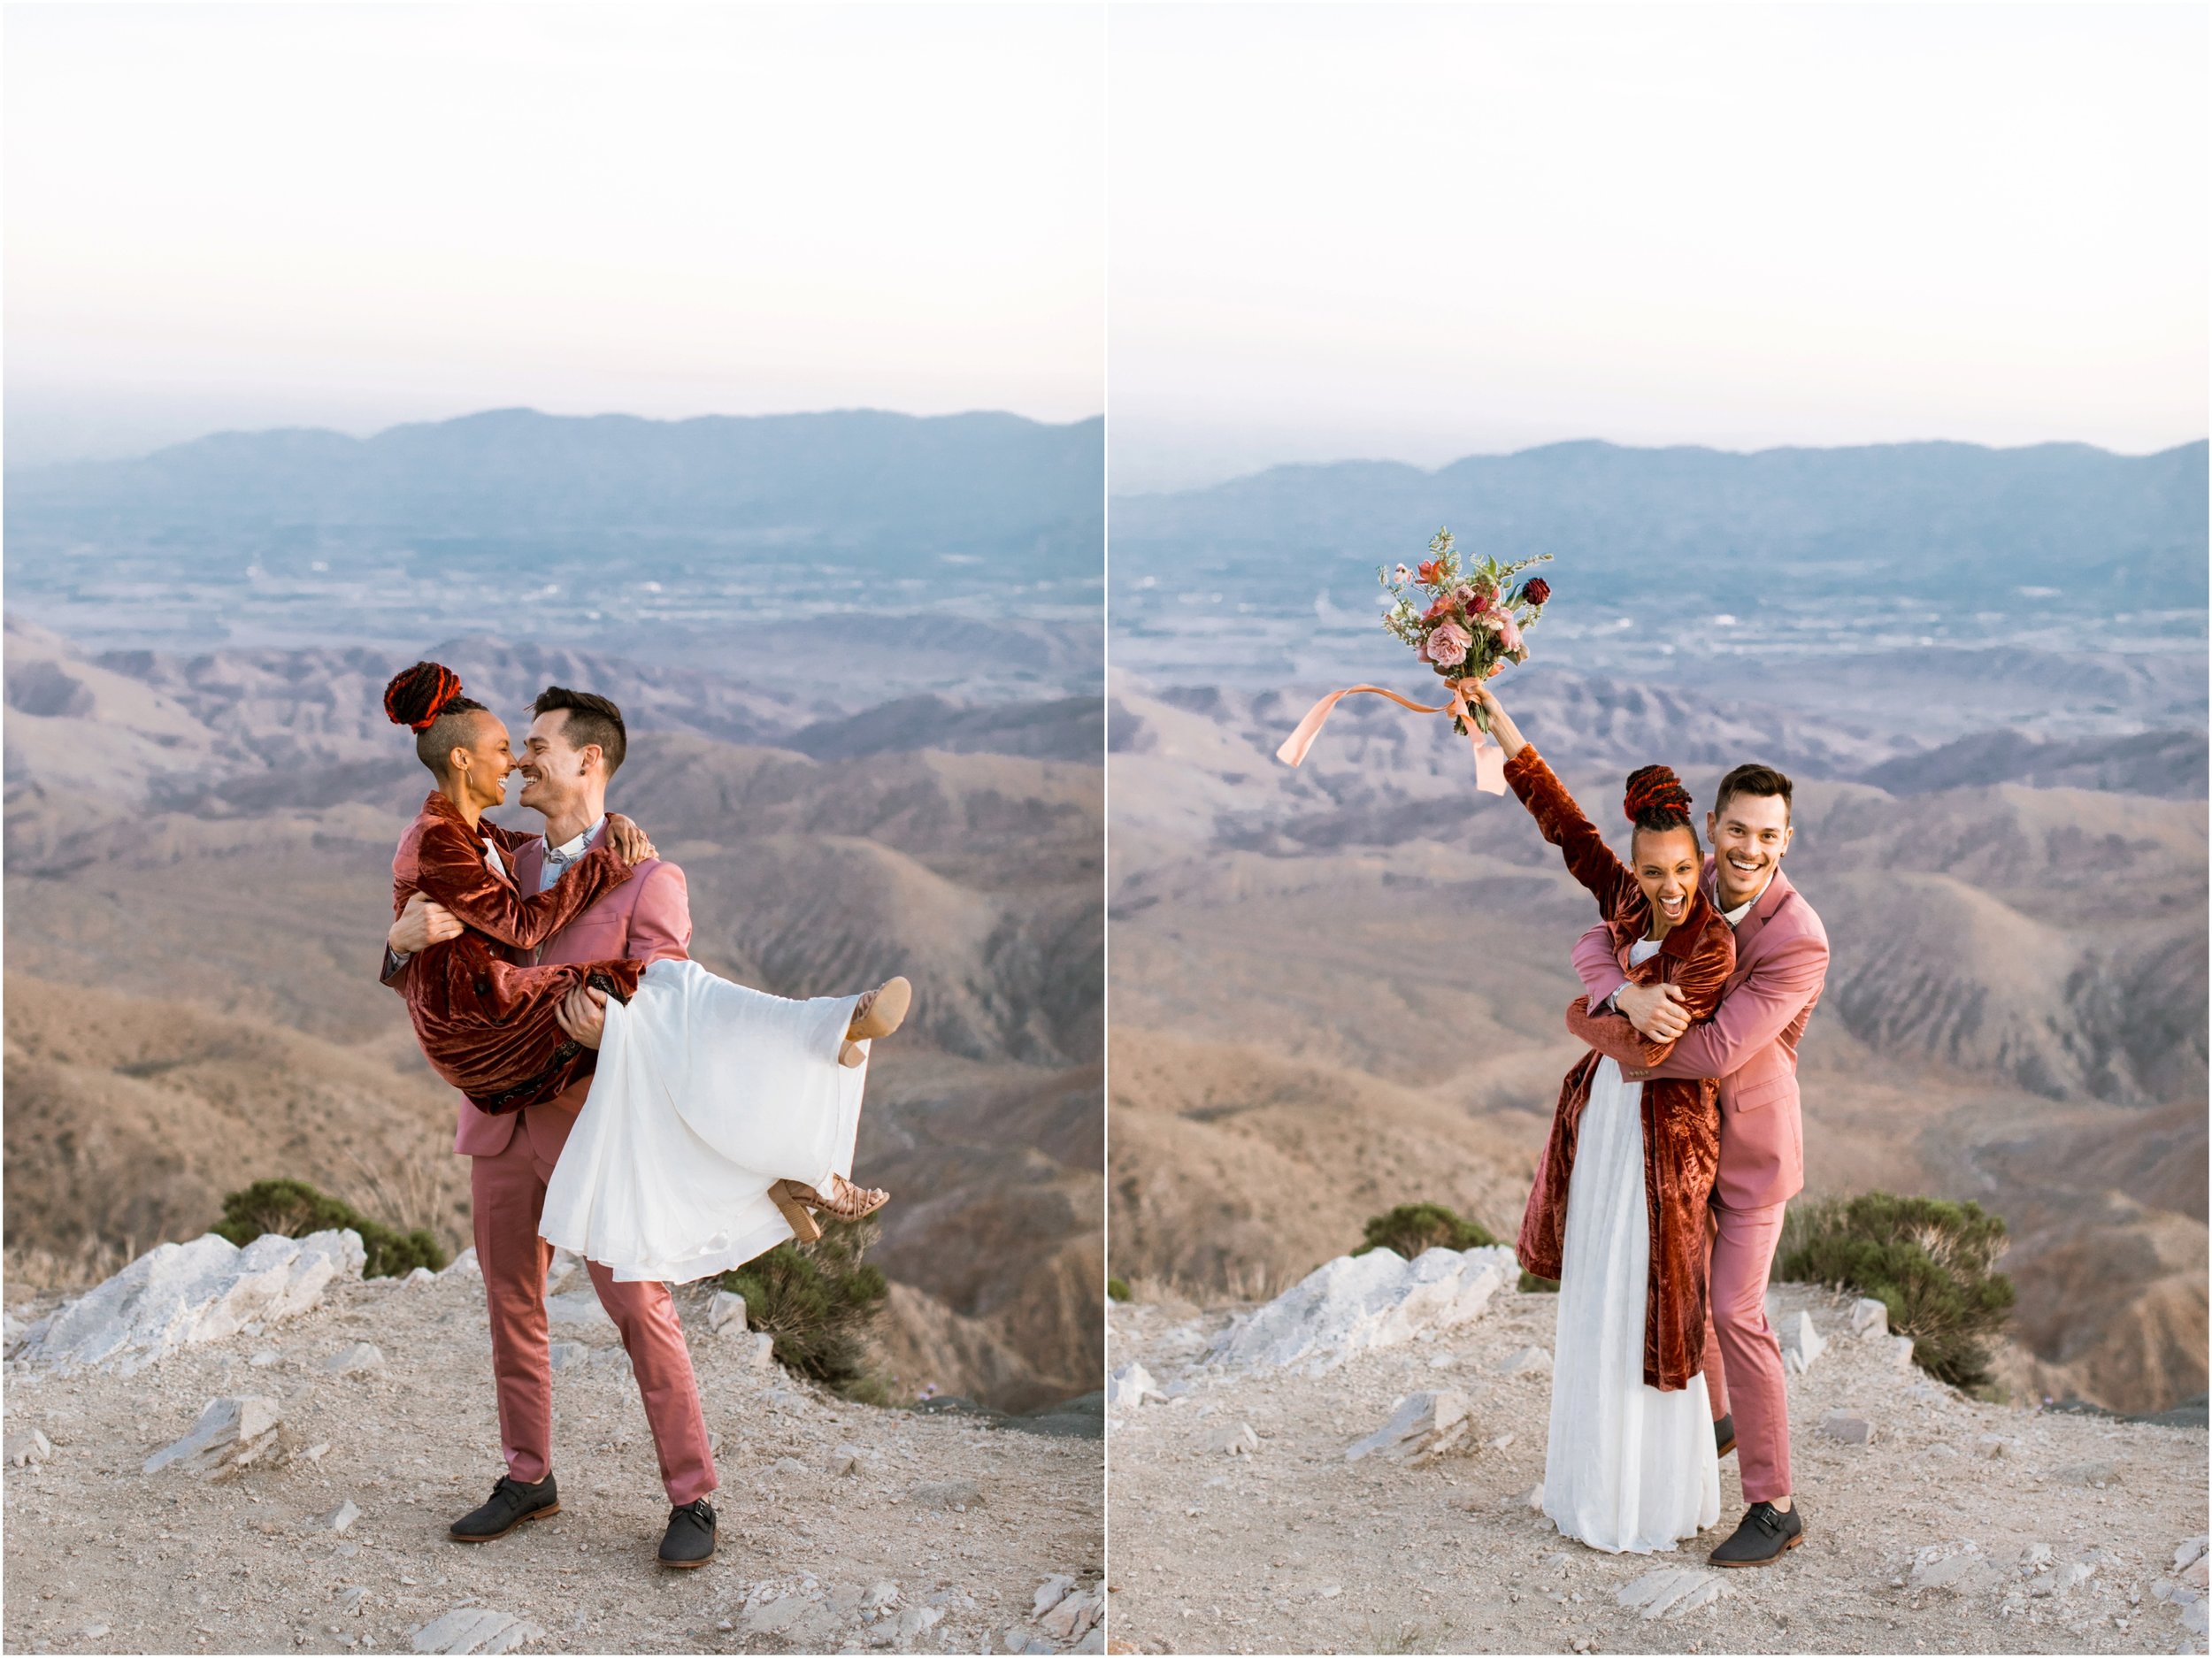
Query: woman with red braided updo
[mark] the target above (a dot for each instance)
(486, 1026)
(719, 1115)
(1618, 1212)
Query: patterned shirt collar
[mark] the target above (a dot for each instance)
(561, 856)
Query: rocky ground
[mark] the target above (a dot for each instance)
(843, 1527)
(1240, 1525)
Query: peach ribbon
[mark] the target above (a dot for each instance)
(1489, 758)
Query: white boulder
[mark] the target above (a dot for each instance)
(1130, 1387)
(1355, 1303)
(355, 1357)
(474, 1629)
(1671, 1592)
(26, 1447)
(1527, 1361)
(231, 1434)
(1802, 1344)
(1869, 1318)
(179, 1296)
(1423, 1427)
(727, 1307)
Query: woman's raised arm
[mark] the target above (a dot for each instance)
(1558, 819)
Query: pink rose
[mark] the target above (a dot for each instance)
(1508, 631)
(1446, 645)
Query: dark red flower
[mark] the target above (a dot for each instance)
(1537, 591)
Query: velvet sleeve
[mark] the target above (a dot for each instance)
(1703, 977)
(453, 873)
(1774, 992)
(1560, 821)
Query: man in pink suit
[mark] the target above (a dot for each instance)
(1750, 1045)
(575, 744)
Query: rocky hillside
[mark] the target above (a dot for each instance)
(257, 1451)
(1356, 1467)
(198, 878)
(1341, 987)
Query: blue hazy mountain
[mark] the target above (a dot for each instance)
(1939, 520)
(859, 477)
(1775, 571)
(607, 524)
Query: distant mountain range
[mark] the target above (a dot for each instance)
(600, 527)
(1925, 519)
(862, 479)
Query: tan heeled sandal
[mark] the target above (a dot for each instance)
(846, 1201)
(785, 1195)
(877, 1013)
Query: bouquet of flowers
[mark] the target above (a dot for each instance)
(1466, 620)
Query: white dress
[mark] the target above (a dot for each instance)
(706, 1094)
(1628, 1469)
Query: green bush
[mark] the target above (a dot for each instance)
(1930, 1262)
(296, 1209)
(1116, 1290)
(818, 1301)
(1411, 1228)
(1531, 1284)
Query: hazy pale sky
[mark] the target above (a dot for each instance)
(1423, 232)
(353, 215)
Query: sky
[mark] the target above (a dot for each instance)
(1261, 233)
(1418, 232)
(350, 216)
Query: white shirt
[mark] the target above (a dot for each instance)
(1734, 917)
(559, 858)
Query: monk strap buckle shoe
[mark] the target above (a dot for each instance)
(512, 1503)
(1766, 1534)
(690, 1538)
(1724, 1435)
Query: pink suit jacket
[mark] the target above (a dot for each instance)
(1750, 1044)
(646, 918)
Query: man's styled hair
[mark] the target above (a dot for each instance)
(1753, 780)
(590, 719)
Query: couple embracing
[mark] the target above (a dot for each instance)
(1676, 1143)
(618, 1099)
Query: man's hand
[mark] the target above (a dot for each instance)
(1656, 1010)
(424, 922)
(583, 1015)
(628, 839)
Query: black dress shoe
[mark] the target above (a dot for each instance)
(1724, 1435)
(1765, 1535)
(512, 1503)
(690, 1538)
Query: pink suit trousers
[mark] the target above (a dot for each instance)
(512, 1155)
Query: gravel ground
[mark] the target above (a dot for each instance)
(1920, 1541)
(101, 1557)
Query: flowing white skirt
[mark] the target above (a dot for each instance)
(1628, 1470)
(706, 1094)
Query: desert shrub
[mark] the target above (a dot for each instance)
(1411, 1228)
(1116, 1289)
(1930, 1262)
(818, 1301)
(1531, 1284)
(296, 1209)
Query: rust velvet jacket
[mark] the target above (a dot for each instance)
(1681, 1116)
(486, 1026)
